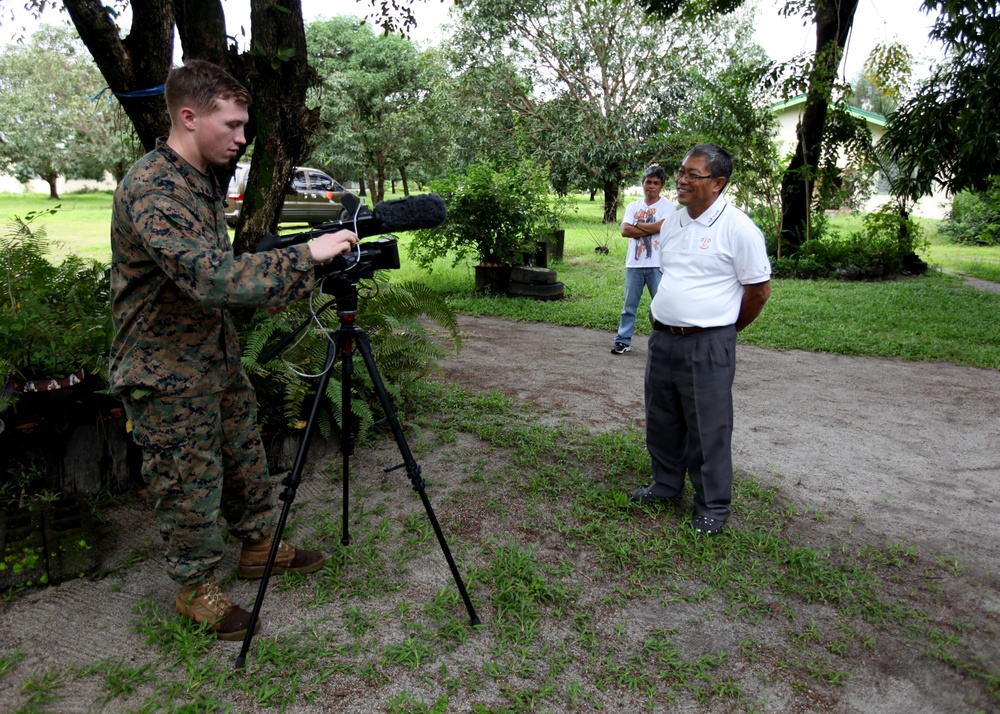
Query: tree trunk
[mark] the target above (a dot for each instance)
(118, 170)
(833, 24)
(611, 202)
(284, 126)
(201, 25)
(52, 179)
(406, 184)
(377, 185)
(140, 61)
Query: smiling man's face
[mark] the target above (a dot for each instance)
(696, 188)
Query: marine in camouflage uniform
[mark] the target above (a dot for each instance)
(175, 359)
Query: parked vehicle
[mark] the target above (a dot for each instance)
(312, 197)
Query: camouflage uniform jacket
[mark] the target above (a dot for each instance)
(174, 276)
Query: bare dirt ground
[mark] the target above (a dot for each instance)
(910, 447)
(903, 449)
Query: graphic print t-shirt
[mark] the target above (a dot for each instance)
(645, 252)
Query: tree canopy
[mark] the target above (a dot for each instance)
(948, 132)
(50, 126)
(593, 83)
(382, 101)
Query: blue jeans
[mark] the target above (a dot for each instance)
(635, 280)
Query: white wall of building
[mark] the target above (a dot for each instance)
(934, 206)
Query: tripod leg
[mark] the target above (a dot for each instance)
(412, 468)
(346, 345)
(291, 483)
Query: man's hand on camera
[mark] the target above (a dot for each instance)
(329, 245)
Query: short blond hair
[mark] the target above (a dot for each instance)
(199, 85)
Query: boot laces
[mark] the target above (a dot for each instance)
(215, 597)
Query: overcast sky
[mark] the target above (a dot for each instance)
(876, 21)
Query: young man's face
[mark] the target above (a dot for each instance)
(218, 132)
(652, 186)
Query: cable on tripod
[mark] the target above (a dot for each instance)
(314, 312)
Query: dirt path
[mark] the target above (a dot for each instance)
(907, 448)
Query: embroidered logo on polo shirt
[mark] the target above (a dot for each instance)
(705, 242)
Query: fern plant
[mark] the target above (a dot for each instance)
(395, 318)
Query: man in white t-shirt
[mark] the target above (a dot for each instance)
(641, 226)
(716, 279)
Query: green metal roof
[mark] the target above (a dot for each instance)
(868, 116)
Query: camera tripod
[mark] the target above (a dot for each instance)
(346, 340)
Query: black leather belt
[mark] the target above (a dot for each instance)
(683, 331)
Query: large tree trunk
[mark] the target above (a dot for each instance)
(611, 201)
(833, 24)
(140, 61)
(201, 25)
(279, 120)
(284, 126)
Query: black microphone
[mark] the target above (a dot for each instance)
(404, 214)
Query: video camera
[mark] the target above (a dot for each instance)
(404, 214)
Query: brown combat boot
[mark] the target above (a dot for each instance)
(204, 602)
(253, 558)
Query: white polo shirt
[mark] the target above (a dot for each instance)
(706, 261)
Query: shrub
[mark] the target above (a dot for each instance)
(881, 248)
(495, 213)
(54, 319)
(974, 218)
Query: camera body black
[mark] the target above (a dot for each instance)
(362, 262)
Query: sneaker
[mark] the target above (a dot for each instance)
(707, 525)
(620, 348)
(205, 603)
(253, 559)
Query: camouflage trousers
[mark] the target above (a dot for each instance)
(202, 457)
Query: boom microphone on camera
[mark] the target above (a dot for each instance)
(403, 214)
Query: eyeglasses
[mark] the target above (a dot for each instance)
(683, 175)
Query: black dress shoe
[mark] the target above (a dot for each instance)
(645, 495)
(707, 525)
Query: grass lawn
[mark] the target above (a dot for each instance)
(81, 225)
(977, 261)
(928, 318)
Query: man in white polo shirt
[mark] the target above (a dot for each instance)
(716, 279)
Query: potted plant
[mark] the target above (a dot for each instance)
(496, 214)
(55, 331)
